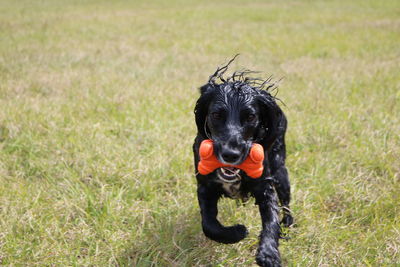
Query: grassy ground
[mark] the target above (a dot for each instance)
(96, 127)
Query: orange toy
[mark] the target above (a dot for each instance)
(253, 165)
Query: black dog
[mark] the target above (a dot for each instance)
(234, 113)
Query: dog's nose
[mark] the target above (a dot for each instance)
(231, 156)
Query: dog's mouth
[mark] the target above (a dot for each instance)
(228, 174)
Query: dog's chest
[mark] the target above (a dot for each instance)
(233, 190)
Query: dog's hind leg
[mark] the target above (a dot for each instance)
(212, 228)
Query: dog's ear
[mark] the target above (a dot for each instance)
(201, 109)
(273, 121)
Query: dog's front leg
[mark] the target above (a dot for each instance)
(268, 253)
(212, 228)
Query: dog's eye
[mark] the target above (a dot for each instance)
(250, 118)
(216, 115)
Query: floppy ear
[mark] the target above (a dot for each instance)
(201, 109)
(273, 121)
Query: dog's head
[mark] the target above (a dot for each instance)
(234, 113)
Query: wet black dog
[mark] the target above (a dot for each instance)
(234, 113)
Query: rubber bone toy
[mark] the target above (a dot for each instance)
(253, 164)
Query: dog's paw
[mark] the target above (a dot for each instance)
(235, 233)
(287, 220)
(227, 235)
(268, 260)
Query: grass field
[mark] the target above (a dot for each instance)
(96, 127)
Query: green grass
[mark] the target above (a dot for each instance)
(96, 127)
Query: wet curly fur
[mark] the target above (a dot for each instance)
(235, 112)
